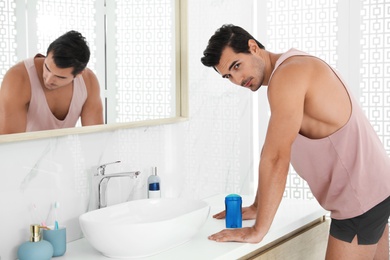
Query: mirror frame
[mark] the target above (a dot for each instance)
(182, 110)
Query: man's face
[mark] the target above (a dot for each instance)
(243, 69)
(54, 77)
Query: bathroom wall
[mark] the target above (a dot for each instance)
(208, 154)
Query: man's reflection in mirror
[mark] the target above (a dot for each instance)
(52, 91)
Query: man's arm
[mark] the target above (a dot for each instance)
(286, 95)
(15, 94)
(92, 113)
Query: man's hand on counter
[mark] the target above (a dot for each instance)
(247, 234)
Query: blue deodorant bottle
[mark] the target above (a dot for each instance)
(233, 206)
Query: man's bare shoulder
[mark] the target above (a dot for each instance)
(292, 81)
(300, 71)
(19, 67)
(16, 78)
(293, 70)
(15, 86)
(90, 78)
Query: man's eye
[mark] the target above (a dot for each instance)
(227, 76)
(237, 66)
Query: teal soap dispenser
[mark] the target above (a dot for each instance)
(36, 248)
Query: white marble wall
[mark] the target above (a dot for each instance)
(210, 153)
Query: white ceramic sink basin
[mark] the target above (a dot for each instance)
(143, 227)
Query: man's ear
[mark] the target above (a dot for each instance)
(253, 47)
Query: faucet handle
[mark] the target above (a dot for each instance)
(102, 167)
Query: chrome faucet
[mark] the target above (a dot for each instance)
(99, 185)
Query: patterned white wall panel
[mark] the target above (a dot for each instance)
(310, 26)
(375, 66)
(7, 36)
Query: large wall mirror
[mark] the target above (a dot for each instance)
(138, 52)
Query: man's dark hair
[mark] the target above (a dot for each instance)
(228, 35)
(70, 50)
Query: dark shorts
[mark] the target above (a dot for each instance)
(368, 227)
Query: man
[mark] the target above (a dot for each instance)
(317, 124)
(51, 92)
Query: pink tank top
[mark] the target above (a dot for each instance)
(349, 171)
(39, 115)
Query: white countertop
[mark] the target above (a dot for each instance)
(292, 214)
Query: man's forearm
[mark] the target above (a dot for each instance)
(272, 182)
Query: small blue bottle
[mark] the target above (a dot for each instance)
(154, 191)
(233, 206)
(35, 248)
